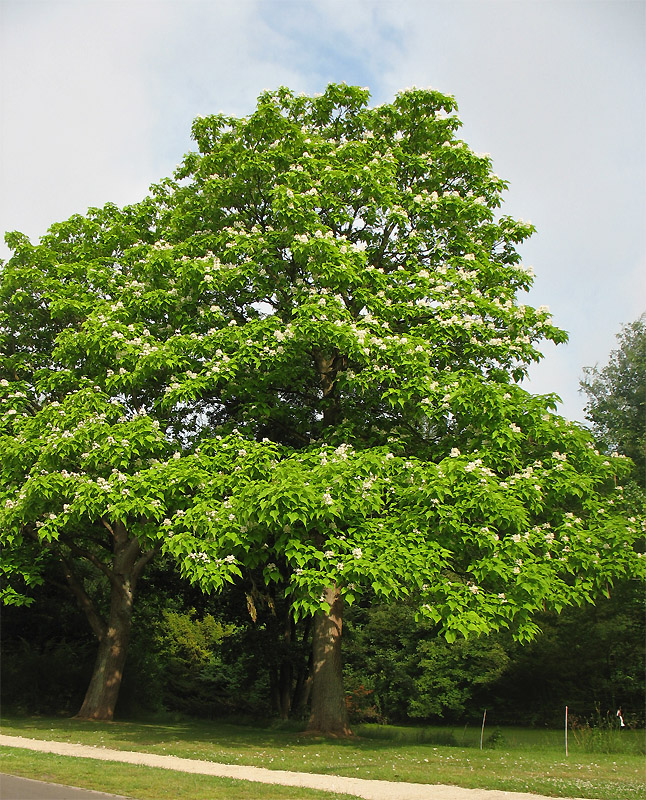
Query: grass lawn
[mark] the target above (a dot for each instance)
(523, 760)
(146, 783)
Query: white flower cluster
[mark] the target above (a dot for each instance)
(477, 464)
(343, 451)
(200, 556)
(281, 336)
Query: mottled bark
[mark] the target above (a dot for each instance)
(329, 713)
(103, 691)
(114, 633)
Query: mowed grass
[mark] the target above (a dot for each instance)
(523, 760)
(146, 783)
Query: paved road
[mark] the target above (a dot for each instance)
(12, 788)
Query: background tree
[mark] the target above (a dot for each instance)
(617, 397)
(399, 669)
(589, 658)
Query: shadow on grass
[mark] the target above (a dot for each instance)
(245, 735)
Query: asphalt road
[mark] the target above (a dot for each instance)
(12, 788)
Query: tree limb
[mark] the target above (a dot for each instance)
(143, 560)
(84, 600)
(83, 553)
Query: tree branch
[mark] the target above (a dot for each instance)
(83, 553)
(84, 600)
(143, 560)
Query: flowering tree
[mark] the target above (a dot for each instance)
(87, 472)
(309, 341)
(360, 298)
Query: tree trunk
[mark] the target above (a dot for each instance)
(329, 714)
(286, 671)
(303, 686)
(113, 635)
(103, 691)
(285, 680)
(281, 675)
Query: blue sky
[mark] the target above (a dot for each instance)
(98, 98)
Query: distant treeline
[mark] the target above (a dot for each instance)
(206, 656)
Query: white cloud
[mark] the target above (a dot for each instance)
(555, 92)
(75, 111)
(99, 95)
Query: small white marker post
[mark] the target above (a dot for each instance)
(566, 731)
(484, 717)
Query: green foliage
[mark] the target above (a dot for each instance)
(449, 675)
(296, 364)
(189, 641)
(411, 671)
(591, 659)
(481, 550)
(617, 397)
(195, 679)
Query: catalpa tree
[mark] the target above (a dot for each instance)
(88, 469)
(311, 338)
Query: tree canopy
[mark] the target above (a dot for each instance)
(297, 362)
(617, 397)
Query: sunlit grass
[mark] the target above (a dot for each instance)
(146, 783)
(588, 740)
(523, 760)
